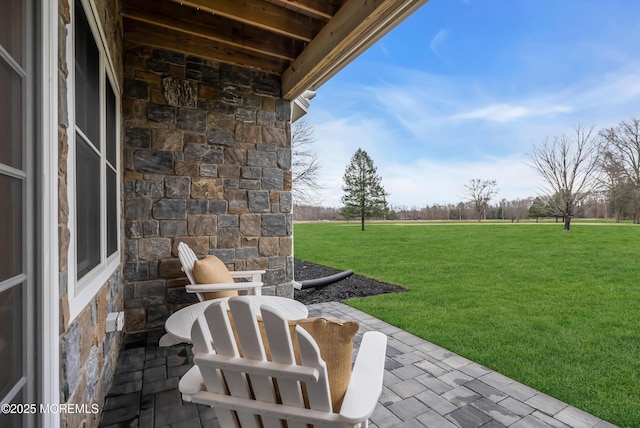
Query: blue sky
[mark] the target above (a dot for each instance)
(463, 88)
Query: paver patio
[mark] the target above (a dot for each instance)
(424, 386)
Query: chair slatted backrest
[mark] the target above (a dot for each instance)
(187, 259)
(242, 388)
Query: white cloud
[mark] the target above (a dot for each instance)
(432, 107)
(614, 93)
(508, 112)
(430, 134)
(428, 182)
(337, 139)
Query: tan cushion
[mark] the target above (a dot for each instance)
(334, 338)
(211, 270)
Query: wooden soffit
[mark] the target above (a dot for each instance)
(305, 42)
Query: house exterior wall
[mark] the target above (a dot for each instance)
(207, 161)
(87, 353)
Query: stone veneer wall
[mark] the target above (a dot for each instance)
(207, 162)
(87, 354)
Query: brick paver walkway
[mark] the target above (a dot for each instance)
(424, 386)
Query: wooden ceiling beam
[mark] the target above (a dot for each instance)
(262, 14)
(319, 9)
(172, 16)
(277, 36)
(354, 28)
(160, 37)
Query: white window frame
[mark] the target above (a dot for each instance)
(49, 360)
(81, 291)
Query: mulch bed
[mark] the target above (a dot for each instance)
(349, 288)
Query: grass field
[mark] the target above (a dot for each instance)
(558, 311)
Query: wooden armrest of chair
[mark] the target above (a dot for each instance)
(254, 275)
(365, 385)
(204, 288)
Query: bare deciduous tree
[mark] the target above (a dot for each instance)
(621, 164)
(619, 187)
(570, 167)
(479, 193)
(304, 164)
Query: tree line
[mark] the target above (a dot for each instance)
(516, 210)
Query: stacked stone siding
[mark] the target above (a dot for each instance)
(87, 353)
(207, 162)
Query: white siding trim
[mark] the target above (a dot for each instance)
(49, 360)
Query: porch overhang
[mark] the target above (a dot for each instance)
(305, 42)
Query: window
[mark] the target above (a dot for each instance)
(94, 208)
(18, 283)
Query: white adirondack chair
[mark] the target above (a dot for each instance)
(188, 258)
(241, 389)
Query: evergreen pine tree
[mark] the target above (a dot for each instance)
(364, 195)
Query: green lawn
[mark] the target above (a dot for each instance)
(558, 311)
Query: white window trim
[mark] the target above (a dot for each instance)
(49, 361)
(81, 292)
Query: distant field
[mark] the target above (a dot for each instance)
(558, 311)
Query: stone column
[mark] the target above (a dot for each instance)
(207, 162)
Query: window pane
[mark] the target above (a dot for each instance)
(87, 79)
(87, 207)
(112, 212)
(11, 230)
(111, 142)
(11, 28)
(11, 337)
(14, 419)
(10, 116)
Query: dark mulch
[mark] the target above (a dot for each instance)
(349, 288)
